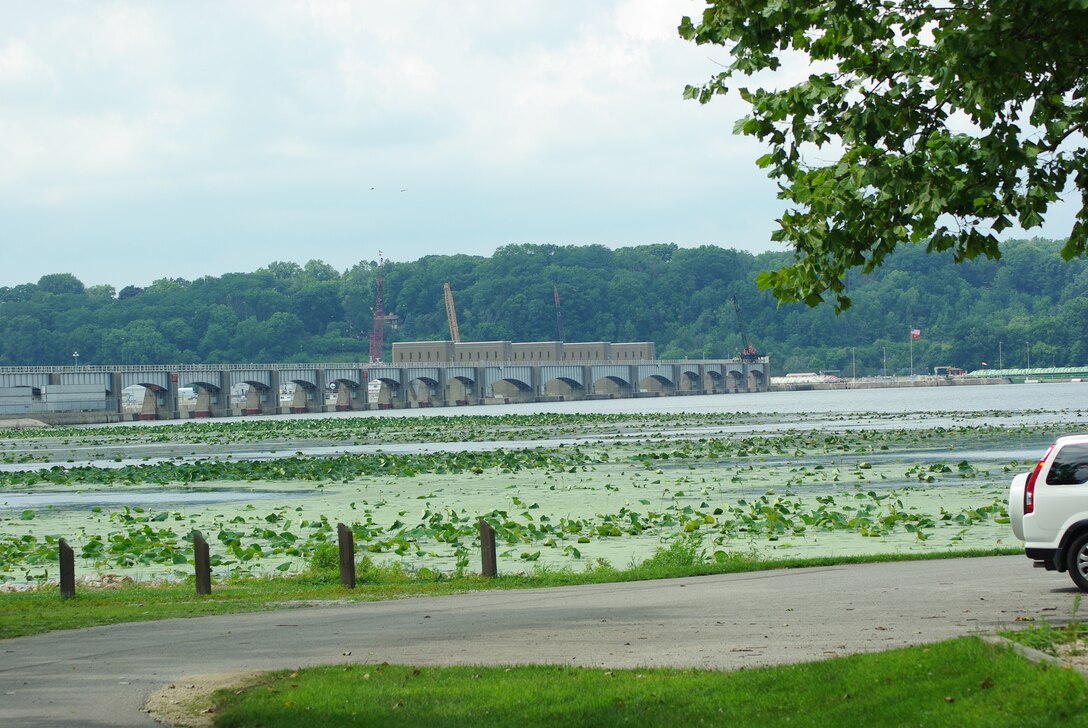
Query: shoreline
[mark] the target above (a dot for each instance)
(891, 383)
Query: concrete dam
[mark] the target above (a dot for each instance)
(420, 374)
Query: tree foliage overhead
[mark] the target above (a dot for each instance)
(945, 121)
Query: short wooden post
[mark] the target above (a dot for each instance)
(487, 550)
(67, 570)
(203, 564)
(347, 555)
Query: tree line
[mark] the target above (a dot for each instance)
(1028, 304)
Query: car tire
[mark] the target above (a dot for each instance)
(1076, 561)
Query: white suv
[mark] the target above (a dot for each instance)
(1048, 509)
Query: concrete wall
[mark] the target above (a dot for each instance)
(413, 352)
(586, 351)
(633, 351)
(405, 352)
(535, 351)
(478, 351)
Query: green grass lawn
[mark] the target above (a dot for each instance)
(963, 682)
(43, 610)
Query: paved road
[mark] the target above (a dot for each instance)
(103, 675)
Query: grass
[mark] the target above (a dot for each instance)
(1069, 639)
(963, 682)
(43, 610)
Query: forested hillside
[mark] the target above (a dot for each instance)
(679, 298)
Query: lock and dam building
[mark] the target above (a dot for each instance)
(419, 374)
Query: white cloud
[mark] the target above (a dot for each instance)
(20, 66)
(651, 20)
(250, 130)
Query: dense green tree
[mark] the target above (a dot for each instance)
(679, 298)
(931, 123)
(60, 283)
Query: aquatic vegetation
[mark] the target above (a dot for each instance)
(632, 485)
(303, 468)
(253, 541)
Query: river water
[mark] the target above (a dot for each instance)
(1063, 405)
(1013, 397)
(1052, 409)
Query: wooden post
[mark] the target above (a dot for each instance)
(203, 564)
(67, 570)
(347, 555)
(487, 550)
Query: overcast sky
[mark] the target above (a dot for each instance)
(143, 140)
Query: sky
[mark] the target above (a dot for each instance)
(155, 139)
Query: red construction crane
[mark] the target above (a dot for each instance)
(377, 333)
(750, 353)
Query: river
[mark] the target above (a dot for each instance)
(936, 480)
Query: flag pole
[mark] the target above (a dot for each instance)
(910, 335)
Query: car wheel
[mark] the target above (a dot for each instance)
(1076, 560)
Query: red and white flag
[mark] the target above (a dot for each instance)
(915, 333)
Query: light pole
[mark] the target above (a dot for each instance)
(75, 358)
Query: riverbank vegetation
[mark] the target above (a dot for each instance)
(977, 311)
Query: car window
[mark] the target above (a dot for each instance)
(1070, 466)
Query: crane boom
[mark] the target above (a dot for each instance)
(750, 353)
(451, 314)
(558, 315)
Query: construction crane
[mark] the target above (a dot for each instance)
(377, 332)
(558, 315)
(451, 315)
(750, 352)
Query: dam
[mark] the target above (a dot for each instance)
(419, 375)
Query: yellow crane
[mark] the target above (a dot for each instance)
(451, 315)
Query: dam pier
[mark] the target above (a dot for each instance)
(420, 375)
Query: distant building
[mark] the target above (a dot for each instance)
(414, 352)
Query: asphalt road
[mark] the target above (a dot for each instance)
(103, 675)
